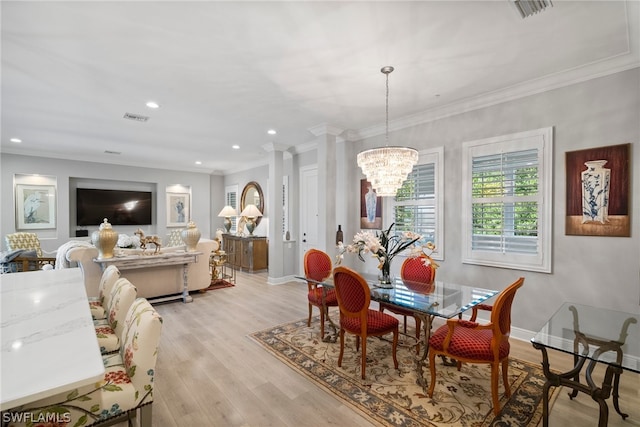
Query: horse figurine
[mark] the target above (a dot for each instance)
(144, 241)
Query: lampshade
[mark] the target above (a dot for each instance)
(251, 211)
(386, 168)
(228, 211)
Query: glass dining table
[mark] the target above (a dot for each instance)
(595, 336)
(425, 300)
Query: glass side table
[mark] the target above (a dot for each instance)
(592, 335)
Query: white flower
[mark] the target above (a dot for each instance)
(125, 241)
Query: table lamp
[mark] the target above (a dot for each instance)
(227, 212)
(251, 212)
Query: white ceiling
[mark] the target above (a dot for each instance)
(226, 72)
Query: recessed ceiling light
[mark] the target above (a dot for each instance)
(271, 132)
(152, 104)
(198, 162)
(235, 147)
(16, 140)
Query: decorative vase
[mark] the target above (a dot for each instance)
(190, 236)
(385, 273)
(105, 239)
(339, 235)
(595, 192)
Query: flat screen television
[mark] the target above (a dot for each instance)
(120, 207)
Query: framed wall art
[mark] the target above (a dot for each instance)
(178, 209)
(598, 184)
(35, 207)
(370, 207)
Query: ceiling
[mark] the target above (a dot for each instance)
(226, 72)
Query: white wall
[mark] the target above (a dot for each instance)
(600, 271)
(64, 170)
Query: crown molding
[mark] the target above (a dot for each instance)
(325, 129)
(614, 65)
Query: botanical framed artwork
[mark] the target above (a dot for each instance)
(35, 206)
(370, 207)
(178, 209)
(598, 184)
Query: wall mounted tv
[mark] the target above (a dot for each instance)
(120, 207)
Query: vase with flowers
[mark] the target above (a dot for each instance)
(384, 246)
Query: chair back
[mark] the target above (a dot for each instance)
(123, 295)
(174, 238)
(23, 240)
(109, 277)
(501, 312)
(139, 349)
(317, 264)
(417, 275)
(352, 292)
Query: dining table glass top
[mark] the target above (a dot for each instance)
(440, 298)
(604, 335)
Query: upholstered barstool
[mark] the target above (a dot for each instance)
(109, 330)
(127, 385)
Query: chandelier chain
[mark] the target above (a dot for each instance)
(387, 113)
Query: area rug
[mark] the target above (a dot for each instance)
(219, 284)
(390, 397)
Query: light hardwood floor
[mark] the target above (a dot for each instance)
(210, 373)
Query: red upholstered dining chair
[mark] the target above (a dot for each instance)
(317, 265)
(469, 341)
(354, 297)
(418, 277)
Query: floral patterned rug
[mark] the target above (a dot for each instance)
(390, 397)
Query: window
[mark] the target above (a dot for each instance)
(417, 206)
(231, 199)
(506, 201)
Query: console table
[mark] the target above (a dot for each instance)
(158, 260)
(248, 253)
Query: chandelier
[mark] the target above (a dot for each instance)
(386, 168)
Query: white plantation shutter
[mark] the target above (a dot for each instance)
(417, 205)
(231, 199)
(507, 201)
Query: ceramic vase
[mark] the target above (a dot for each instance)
(595, 192)
(191, 236)
(105, 239)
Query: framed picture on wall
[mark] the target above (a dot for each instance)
(35, 207)
(598, 184)
(370, 207)
(178, 209)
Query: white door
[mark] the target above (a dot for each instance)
(308, 211)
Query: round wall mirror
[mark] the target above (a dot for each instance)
(252, 195)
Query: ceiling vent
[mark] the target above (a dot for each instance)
(112, 152)
(135, 117)
(531, 7)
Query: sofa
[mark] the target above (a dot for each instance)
(151, 282)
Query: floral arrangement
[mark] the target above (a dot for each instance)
(128, 242)
(385, 246)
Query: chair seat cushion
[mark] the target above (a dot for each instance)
(113, 395)
(107, 339)
(315, 297)
(97, 310)
(377, 322)
(468, 343)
